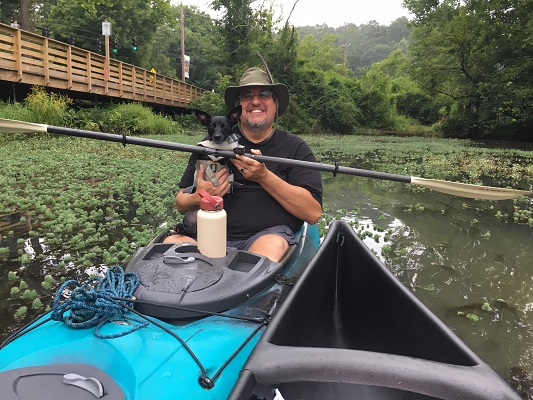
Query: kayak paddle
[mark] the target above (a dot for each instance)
(453, 188)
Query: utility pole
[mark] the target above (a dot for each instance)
(106, 31)
(182, 25)
(345, 45)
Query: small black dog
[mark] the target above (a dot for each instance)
(219, 136)
(219, 128)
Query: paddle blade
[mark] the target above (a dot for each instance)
(13, 126)
(468, 190)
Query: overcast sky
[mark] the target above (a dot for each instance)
(331, 12)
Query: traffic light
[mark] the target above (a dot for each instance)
(99, 45)
(72, 40)
(134, 43)
(115, 45)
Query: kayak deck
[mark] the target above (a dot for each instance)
(349, 329)
(166, 361)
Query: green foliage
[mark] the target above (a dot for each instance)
(46, 108)
(136, 119)
(322, 54)
(366, 43)
(15, 111)
(89, 119)
(210, 102)
(479, 54)
(129, 18)
(244, 31)
(419, 106)
(21, 312)
(328, 99)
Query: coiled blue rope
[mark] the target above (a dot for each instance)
(95, 307)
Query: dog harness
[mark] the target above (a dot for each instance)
(231, 143)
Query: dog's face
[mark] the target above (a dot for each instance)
(219, 127)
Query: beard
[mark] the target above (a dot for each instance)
(255, 126)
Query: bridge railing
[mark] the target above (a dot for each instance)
(32, 59)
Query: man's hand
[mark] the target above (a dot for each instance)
(251, 169)
(207, 185)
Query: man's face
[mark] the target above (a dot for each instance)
(258, 108)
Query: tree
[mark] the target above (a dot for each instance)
(129, 18)
(321, 54)
(203, 45)
(478, 53)
(240, 28)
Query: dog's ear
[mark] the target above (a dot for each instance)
(235, 114)
(203, 117)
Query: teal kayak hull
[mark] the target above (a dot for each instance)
(152, 362)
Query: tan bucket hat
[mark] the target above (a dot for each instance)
(257, 77)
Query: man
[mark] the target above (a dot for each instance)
(268, 203)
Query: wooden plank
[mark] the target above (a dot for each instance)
(172, 92)
(30, 58)
(144, 85)
(133, 81)
(69, 69)
(88, 62)
(120, 88)
(19, 53)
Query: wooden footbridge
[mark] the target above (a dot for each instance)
(31, 59)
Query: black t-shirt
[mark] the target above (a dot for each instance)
(249, 207)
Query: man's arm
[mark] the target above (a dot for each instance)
(295, 199)
(191, 201)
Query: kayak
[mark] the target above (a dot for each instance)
(350, 330)
(193, 324)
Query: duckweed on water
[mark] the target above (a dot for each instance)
(81, 205)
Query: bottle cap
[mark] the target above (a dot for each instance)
(210, 203)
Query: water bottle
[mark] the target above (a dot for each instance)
(211, 226)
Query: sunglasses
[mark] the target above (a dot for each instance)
(263, 95)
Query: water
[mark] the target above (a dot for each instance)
(471, 268)
(470, 265)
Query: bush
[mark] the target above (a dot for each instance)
(126, 118)
(15, 111)
(419, 106)
(210, 102)
(46, 108)
(86, 119)
(136, 119)
(456, 124)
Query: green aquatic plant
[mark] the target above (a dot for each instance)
(21, 312)
(48, 282)
(470, 316)
(36, 304)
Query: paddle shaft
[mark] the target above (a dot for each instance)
(335, 169)
(453, 188)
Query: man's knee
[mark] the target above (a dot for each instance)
(178, 239)
(272, 246)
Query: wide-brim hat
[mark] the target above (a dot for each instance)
(257, 77)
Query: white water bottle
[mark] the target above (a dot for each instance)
(211, 226)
